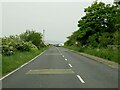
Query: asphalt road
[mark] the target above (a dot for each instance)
(60, 68)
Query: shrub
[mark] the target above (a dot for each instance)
(24, 46)
(34, 37)
(8, 50)
(24, 42)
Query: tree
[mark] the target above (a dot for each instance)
(100, 19)
(34, 37)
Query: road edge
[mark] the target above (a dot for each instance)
(22, 65)
(98, 59)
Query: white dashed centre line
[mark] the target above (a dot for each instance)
(70, 65)
(59, 51)
(65, 59)
(82, 81)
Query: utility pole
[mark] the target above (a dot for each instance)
(43, 36)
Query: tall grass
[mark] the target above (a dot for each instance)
(109, 54)
(0, 65)
(9, 63)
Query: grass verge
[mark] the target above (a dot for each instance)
(9, 63)
(109, 54)
(0, 65)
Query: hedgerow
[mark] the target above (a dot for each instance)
(11, 44)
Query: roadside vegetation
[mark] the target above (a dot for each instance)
(109, 54)
(98, 32)
(0, 65)
(14, 61)
(18, 49)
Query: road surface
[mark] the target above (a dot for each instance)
(60, 68)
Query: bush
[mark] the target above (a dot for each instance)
(24, 46)
(34, 37)
(8, 50)
(24, 42)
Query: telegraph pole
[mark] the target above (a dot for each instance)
(43, 36)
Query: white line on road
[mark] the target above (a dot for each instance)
(65, 59)
(59, 50)
(82, 81)
(70, 65)
(21, 66)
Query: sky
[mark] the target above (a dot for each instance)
(58, 19)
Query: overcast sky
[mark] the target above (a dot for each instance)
(59, 19)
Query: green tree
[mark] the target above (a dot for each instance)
(99, 26)
(34, 37)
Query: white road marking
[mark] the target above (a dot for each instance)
(65, 59)
(59, 50)
(21, 66)
(70, 65)
(82, 81)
